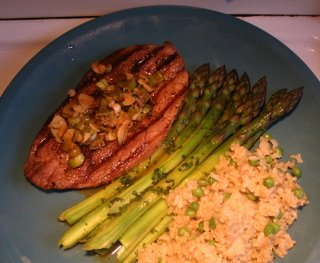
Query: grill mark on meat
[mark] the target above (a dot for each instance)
(136, 64)
(47, 166)
(151, 64)
(119, 70)
(166, 61)
(119, 56)
(169, 70)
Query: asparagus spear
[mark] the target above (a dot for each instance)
(245, 109)
(131, 240)
(129, 256)
(192, 137)
(238, 97)
(198, 83)
(280, 104)
(215, 81)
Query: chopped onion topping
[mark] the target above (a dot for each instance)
(58, 126)
(71, 92)
(98, 68)
(115, 106)
(146, 85)
(123, 132)
(95, 120)
(85, 101)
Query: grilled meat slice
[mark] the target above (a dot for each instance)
(48, 164)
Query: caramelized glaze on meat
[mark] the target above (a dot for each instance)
(47, 164)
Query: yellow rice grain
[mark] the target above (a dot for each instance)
(239, 234)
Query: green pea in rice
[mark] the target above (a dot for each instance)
(250, 219)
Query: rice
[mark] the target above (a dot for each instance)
(241, 216)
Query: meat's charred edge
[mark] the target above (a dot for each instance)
(117, 59)
(136, 66)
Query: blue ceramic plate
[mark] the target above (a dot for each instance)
(29, 230)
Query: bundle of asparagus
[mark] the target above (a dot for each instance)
(220, 109)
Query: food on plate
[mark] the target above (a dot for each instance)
(116, 117)
(131, 211)
(155, 168)
(240, 212)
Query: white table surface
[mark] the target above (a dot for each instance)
(22, 39)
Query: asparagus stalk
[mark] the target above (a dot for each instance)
(197, 81)
(215, 81)
(131, 240)
(280, 104)
(247, 104)
(244, 108)
(113, 228)
(153, 235)
(238, 97)
(202, 120)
